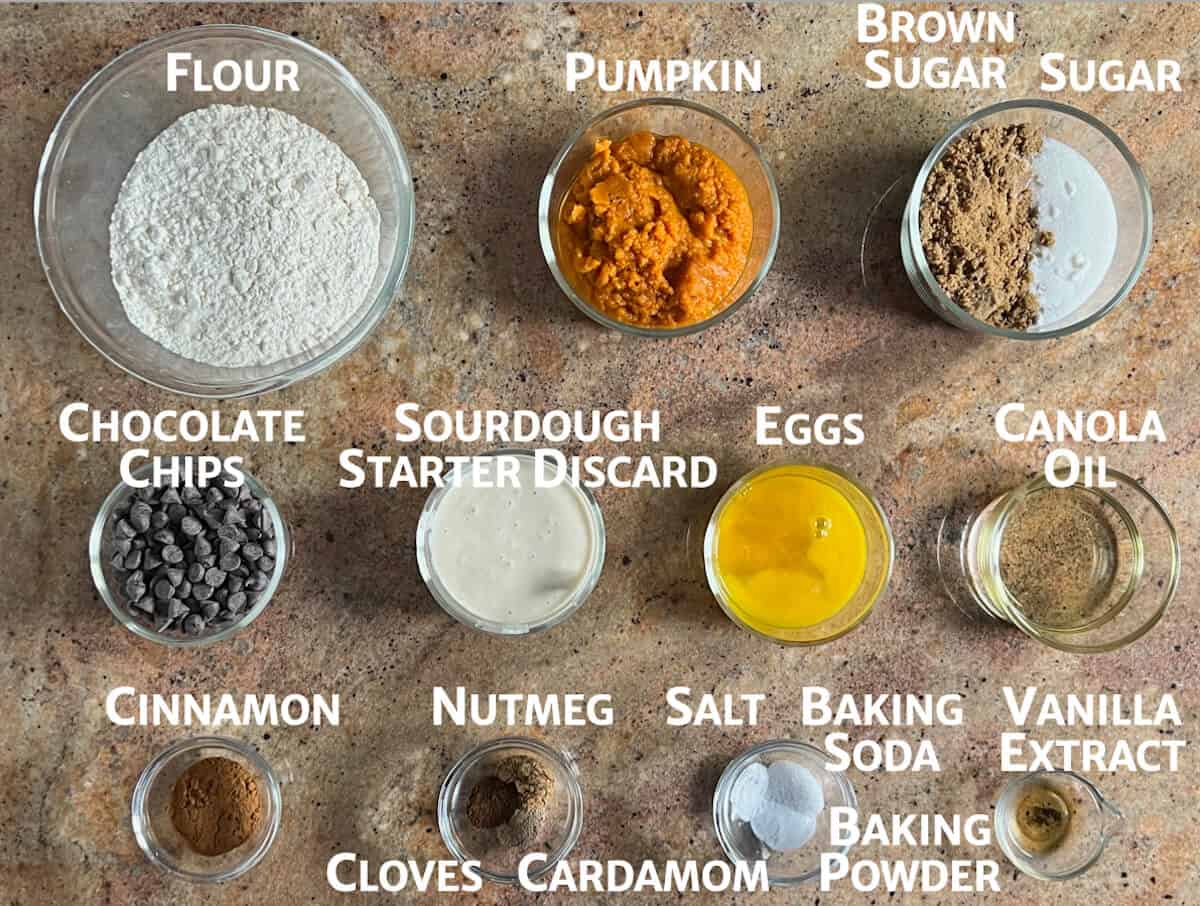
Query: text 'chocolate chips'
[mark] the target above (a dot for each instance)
(190, 562)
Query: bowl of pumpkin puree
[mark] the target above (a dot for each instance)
(659, 218)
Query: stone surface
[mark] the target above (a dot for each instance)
(476, 93)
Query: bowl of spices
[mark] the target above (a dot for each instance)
(206, 809)
(798, 553)
(1029, 220)
(510, 546)
(773, 803)
(659, 218)
(507, 798)
(1054, 825)
(225, 242)
(185, 565)
(1081, 569)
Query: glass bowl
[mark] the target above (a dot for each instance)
(104, 576)
(151, 811)
(458, 610)
(119, 111)
(880, 555)
(1094, 822)
(667, 116)
(560, 831)
(1148, 555)
(784, 869)
(1111, 159)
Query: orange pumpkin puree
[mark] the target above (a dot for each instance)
(655, 231)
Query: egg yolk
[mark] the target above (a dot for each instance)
(791, 551)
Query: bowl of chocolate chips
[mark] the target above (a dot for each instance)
(184, 563)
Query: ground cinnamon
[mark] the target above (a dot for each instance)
(217, 805)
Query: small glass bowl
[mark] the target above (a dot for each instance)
(738, 840)
(696, 123)
(1094, 822)
(100, 549)
(119, 111)
(968, 558)
(463, 614)
(560, 832)
(151, 811)
(881, 549)
(1107, 153)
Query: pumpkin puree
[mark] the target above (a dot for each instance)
(655, 231)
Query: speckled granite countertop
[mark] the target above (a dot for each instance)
(476, 94)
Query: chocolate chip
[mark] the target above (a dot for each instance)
(139, 516)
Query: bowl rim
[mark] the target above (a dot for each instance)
(547, 239)
(450, 604)
(96, 540)
(140, 821)
(716, 587)
(734, 769)
(569, 769)
(912, 222)
(400, 174)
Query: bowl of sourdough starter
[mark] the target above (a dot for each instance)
(508, 546)
(239, 233)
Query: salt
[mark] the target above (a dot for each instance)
(748, 791)
(1075, 204)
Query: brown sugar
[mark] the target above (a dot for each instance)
(217, 805)
(655, 231)
(979, 224)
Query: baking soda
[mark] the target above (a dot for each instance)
(1075, 204)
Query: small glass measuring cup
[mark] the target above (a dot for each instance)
(1092, 822)
(1142, 582)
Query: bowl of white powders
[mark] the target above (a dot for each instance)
(223, 210)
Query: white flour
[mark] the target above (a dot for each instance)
(242, 236)
(1074, 202)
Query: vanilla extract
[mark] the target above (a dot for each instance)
(1042, 819)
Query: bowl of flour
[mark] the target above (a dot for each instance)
(224, 243)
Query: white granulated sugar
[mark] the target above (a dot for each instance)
(1073, 202)
(242, 236)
